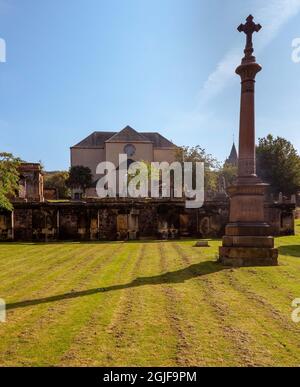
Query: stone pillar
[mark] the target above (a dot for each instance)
(247, 163)
(247, 241)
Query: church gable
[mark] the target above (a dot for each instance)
(128, 134)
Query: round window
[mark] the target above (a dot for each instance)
(130, 150)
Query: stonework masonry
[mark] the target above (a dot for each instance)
(109, 220)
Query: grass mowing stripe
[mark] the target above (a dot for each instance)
(45, 274)
(266, 329)
(150, 333)
(235, 333)
(93, 341)
(181, 351)
(208, 336)
(24, 264)
(69, 316)
(221, 317)
(261, 328)
(278, 305)
(22, 318)
(115, 315)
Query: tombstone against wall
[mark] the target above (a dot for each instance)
(122, 226)
(23, 224)
(68, 229)
(94, 224)
(133, 224)
(287, 224)
(44, 224)
(108, 224)
(83, 225)
(148, 222)
(5, 226)
(204, 227)
(184, 225)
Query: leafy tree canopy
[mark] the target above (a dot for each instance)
(197, 154)
(80, 177)
(278, 164)
(9, 179)
(229, 172)
(58, 180)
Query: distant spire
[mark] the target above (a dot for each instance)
(233, 157)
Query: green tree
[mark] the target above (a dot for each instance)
(278, 164)
(9, 179)
(197, 154)
(229, 172)
(150, 174)
(58, 180)
(80, 177)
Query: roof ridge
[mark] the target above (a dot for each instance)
(126, 133)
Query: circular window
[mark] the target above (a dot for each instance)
(130, 150)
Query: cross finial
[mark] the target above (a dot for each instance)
(249, 28)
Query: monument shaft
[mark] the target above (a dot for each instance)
(247, 165)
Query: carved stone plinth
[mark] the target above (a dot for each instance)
(248, 256)
(247, 240)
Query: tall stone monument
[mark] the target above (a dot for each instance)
(247, 240)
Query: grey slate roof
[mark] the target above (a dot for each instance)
(128, 134)
(158, 140)
(95, 140)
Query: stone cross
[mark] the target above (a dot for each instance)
(249, 28)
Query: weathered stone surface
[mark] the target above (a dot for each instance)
(202, 244)
(248, 256)
(248, 241)
(98, 220)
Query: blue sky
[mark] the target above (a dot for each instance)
(77, 66)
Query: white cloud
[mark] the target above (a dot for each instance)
(219, 78)
(273, 17)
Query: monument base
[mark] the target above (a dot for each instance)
(248, 256)
(240, 248)
(247, 240)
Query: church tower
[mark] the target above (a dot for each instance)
(233, 158)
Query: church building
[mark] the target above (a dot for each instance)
(106, 146)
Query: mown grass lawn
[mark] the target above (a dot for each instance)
(146, 304)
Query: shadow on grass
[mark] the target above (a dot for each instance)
(175, 277)
(290, 250)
